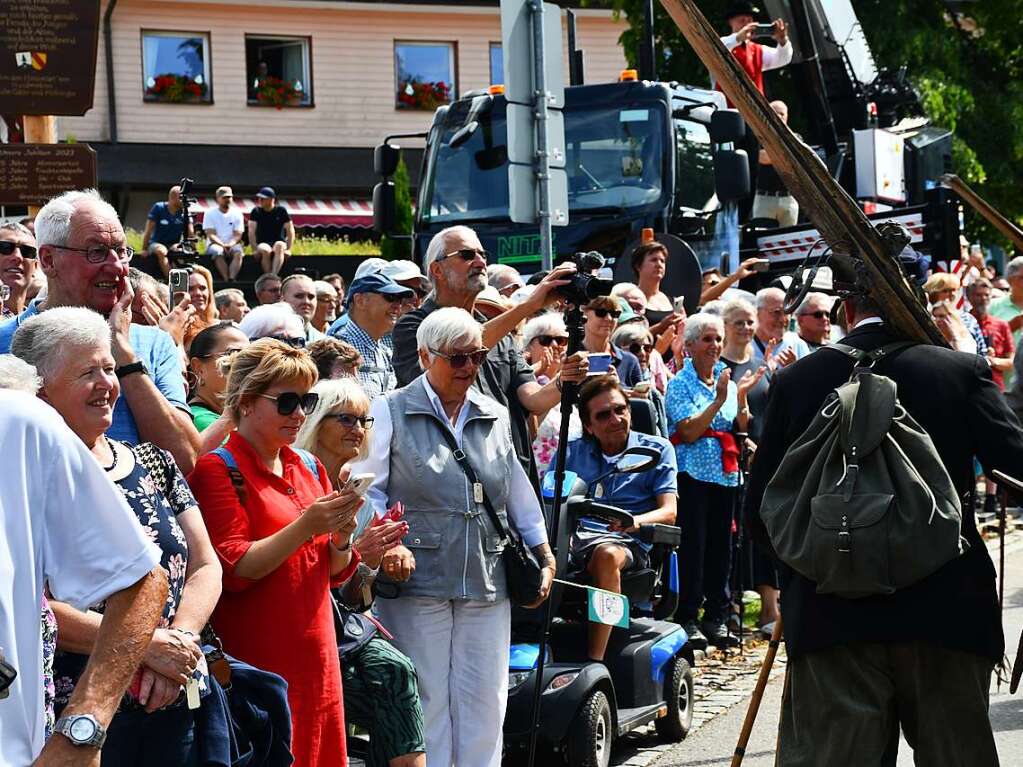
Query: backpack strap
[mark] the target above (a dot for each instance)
(237, 480)
(863, 358)
(310, 462)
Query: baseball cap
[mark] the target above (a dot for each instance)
(267, 191)
(224, 191)
(403, 270)
(369, 266)
(375, 283)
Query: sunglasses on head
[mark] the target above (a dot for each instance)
(7, 248)
(461, 359)
(603, 313)
(636, 348)
(468, 254)
(548, 340)
(605, 415)
(819, 315)
(298, 342)
(348, 420)
(288, 402)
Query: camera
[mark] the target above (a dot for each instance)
(583, 286)
(185, 253)
(764, 30)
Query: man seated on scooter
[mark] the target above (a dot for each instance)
(606, 550)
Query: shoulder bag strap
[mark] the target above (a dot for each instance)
(463, 460)
(233, 471)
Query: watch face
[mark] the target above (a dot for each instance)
(82, 729)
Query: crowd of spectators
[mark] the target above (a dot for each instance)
(213, 446)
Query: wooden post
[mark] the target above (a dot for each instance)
(985, 209)
(836, 215)
(758, 694)
(39, 129)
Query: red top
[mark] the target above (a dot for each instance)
(998, 337)
(751, 58)
(282, 622)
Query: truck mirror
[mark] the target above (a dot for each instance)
(384, 207)
(731, 175)
(385, 159)
(727, 126)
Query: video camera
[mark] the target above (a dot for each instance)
(186, 253)
(583, 286)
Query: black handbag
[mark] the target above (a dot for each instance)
(523, 572)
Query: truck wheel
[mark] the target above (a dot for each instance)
(678, 694)
(589, 738)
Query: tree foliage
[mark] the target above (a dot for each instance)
(968, 70)
(392, 248)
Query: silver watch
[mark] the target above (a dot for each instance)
(81, 730)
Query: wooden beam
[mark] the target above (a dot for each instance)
(39, 129)
(985, 209)
(846, 229)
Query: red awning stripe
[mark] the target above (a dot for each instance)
(308, 211)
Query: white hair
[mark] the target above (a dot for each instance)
(546, 324)
(1014, 267)
(223, 296)
(53, 221)
(18, 375)
(810, 299)
(698, 323)
(446, 328)
(334, 393)
(629, 333)
(502, 275)
(438, 244)
(766, 293)
(44, 339)
(324, 289)
(714, 307)
(14, 226)
(736, 305)
(272, 320)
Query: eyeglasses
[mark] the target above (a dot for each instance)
(462, 358)
(7, 248)
(97, 254)
(637, 348)
(548, 340)
(219, 355)
(818, 315)
(288, 402)
(348, 420)
(605, 415)
(467, 254)
(394, 298)
(603, 313)
(297, 342)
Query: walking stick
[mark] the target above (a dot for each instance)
(758, 694)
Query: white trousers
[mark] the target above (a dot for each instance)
(460, 651)
(784, 210)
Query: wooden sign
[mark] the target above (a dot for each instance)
(48, 56)
(30, 174)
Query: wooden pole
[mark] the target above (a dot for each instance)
(836, 215)
(39, 129)
(985, 209)
(758, 694)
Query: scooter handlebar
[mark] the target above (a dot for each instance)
(587, 507)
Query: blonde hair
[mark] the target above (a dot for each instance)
(337, 393)
(257, 367)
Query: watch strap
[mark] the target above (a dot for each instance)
(132, 367)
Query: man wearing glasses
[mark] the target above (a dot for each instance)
(375, 302)
(17, 265)
(813, 319)
(82, 251)
(774, 344)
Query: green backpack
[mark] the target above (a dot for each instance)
(861, 504)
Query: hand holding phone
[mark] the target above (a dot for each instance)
(359, 483)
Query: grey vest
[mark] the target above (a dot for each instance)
(457, 548)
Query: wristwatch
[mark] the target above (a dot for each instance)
(132, 367)
(81, 730)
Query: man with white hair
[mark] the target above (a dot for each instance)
(813, 319)
(231, 304)
(84, 253)
(17, 266)
(774, 344)
(635, 297)
(456, 264)
(504, 279)
(326, 306)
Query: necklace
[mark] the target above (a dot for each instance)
(113, 451)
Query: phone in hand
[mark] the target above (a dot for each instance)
(678, 305)
(761, 266)
(178, 281)
(764, 30)
(359, 483)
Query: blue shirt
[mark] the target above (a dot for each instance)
(376, 373)
(636, 493)
(688, 396)
(627, 366)
(152, 346)
(168, 225)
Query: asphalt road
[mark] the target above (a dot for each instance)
(713, 744)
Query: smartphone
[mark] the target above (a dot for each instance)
(178, 281)
(764, 30)
(359, 483)
(599, 363)
(679, 305)
(642, 387)
(761, 266)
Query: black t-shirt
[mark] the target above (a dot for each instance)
(269, 224)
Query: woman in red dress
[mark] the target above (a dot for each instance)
(283, 537)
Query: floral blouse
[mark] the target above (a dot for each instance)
(157, 502)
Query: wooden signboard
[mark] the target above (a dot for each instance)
(30, 174)
(48, 56)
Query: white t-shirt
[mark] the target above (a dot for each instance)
(224, 224)
(62, 523)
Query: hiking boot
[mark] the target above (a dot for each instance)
(717, 634)
(696, 638)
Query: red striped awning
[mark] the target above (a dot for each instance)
(308, 211)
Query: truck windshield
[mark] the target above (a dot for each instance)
(614, 162)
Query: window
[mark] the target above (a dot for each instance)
(424, 75)
(496, 64)
(278, 71)
(176, 67)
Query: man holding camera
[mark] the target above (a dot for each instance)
(754, 58)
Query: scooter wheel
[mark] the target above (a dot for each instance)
(589, 739)
(678, 694)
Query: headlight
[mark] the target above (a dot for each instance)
(561, 680)
(515, 678)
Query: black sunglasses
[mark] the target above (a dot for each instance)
(288, 402)
(637, 348)
(394, 298)
(298, 342)
(548, 340)
(461, 359)
(820, 314)
(468, 254)
(348, 420)
(7, 248)
(603, 313)
(604, 415)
